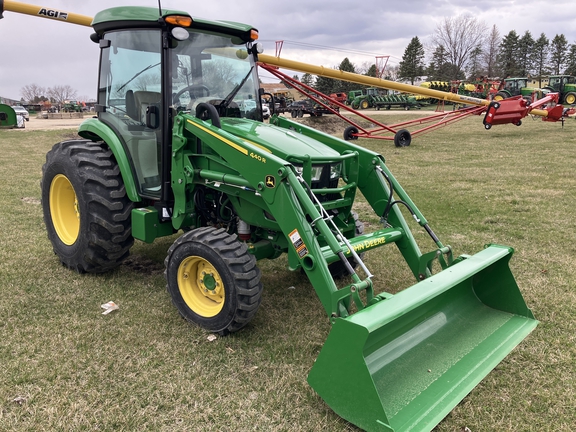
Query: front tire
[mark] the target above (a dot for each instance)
(500, 96)
(86, 209)
(213, 280)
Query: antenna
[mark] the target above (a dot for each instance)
(160, 8)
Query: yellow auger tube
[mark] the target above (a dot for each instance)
(377, 82)
(45, 12)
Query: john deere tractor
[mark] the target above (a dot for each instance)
(565, 85)
(171, 151)
(517, 87)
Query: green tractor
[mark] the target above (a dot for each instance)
(565, 85)
(171, 151)
(517, 87)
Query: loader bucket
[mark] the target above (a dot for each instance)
(403, 363)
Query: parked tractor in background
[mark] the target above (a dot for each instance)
(565, 85)
(517, 87)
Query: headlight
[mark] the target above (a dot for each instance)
(316, 172)
(335, 171)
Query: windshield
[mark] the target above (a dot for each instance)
(212, 69)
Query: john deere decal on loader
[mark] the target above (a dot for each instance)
(177, 145)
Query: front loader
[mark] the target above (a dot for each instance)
(171, 151)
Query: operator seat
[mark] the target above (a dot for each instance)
(142, 100)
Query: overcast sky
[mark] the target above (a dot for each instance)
(321, 32)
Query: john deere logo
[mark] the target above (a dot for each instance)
(53, 14)
(270, 181)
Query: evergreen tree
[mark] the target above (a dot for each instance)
(345, 86)
(412, 64)
(307, 79)
(571, 61)
(474, 67)
(508, 55)
(525, 50)
(558, 53)
(326, 85)
(372, 72)
(437, 70)
(540, 57)
(347, 66)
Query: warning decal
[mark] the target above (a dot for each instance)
(299, 245)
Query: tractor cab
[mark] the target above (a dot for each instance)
(151, 69)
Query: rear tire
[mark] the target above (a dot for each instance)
(570, 98)
(86, 209)
(213, 280)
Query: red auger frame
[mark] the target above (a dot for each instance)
(514, 109)
(511, 110)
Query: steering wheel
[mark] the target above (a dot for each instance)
(192, 91)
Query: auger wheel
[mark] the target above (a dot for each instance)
(213, 280)
(86, 209)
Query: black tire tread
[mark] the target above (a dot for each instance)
(108, 215)
(241, 264)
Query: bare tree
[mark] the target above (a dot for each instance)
(60, 94)
(460, 36)
(392, 73)
(491, 52)
(32, 92)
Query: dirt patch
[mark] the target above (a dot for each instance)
(50, 124)
(143, 265)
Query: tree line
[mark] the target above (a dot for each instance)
(33, 93)
(464, 48)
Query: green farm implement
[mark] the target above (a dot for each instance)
(170, 150)
(377, 98)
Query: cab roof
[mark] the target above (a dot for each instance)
(127, 17)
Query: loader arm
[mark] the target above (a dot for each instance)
(262, 174)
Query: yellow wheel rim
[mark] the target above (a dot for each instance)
(64, 209)
(201, 286)
(498, 98)
(570, 99)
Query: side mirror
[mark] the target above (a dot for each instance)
(272, 103)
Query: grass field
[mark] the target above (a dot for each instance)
(67, 367)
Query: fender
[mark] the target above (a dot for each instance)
(95, 130)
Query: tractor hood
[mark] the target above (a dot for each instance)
(278, 141)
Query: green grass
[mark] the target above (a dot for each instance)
(67, 367)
